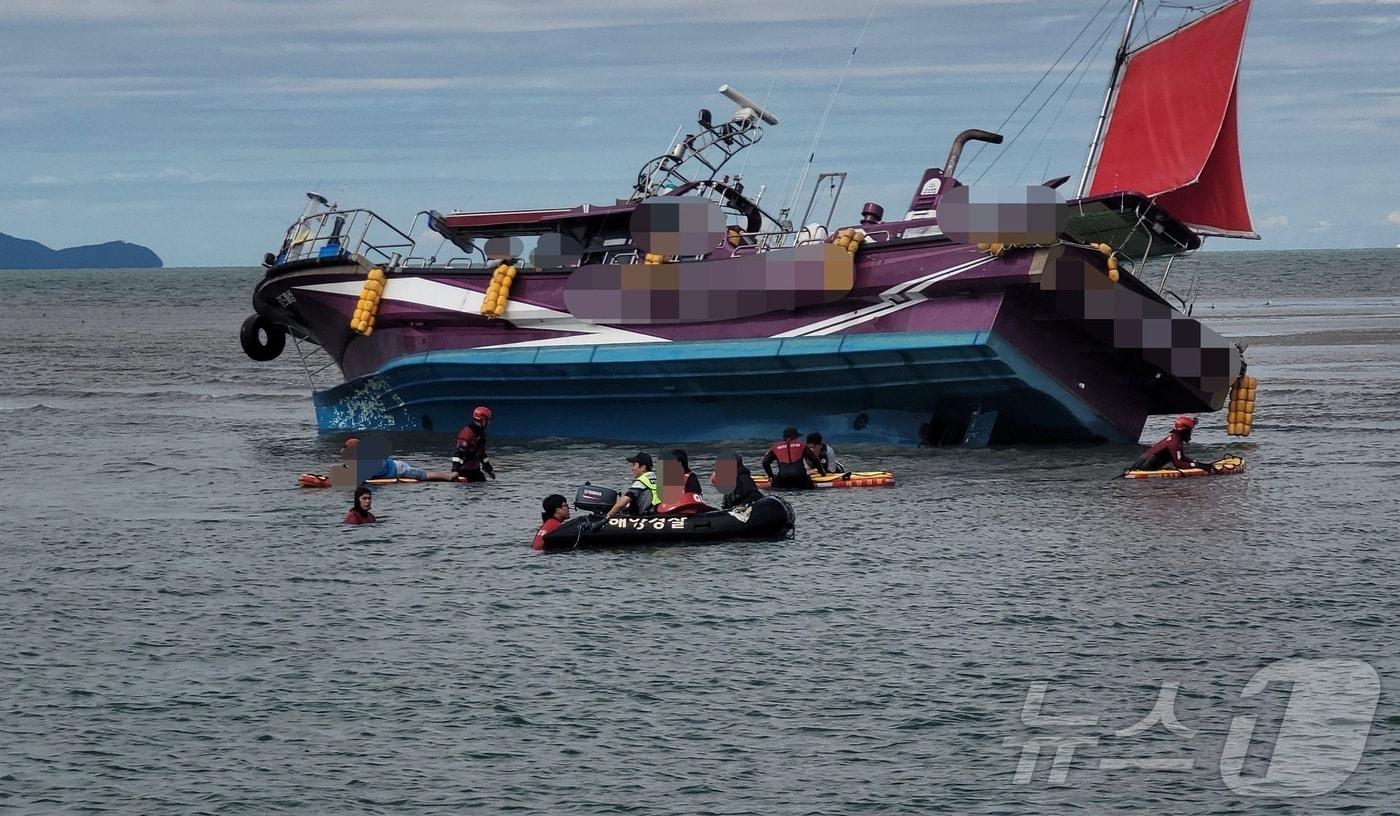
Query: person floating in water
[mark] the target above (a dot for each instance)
(824, 453)
(359, 509)
(470, 462)
(735, 482)
(556, 512)
(645, 492)
(793, 459)
(1170, 450)
(372, 467)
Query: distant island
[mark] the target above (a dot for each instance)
(18, 253)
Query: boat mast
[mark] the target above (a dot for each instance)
(1118, 60)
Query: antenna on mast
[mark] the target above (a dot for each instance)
(1118, 60)
(747, 107)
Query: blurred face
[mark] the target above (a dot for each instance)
(726, 475)
(672, 481)
(364, 501)
(562, 512)
(637, 469)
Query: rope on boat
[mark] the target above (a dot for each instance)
(821, 124)
(1038, 82)
(1083, 68)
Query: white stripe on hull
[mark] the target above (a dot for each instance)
(423, 292)
(895, 298)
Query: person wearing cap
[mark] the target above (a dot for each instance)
(645, 492)
(793, 459)
(1170, 450)
(389, 467)
(556, 512)
(470, 462)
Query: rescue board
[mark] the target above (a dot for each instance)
(1227, 466)
(318, 480)
(854, 478)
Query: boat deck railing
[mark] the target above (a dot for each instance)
(345, 233)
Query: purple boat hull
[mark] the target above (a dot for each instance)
(936, 342)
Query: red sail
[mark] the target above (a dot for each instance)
(1172, 132)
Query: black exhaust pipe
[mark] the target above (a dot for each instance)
(973, 135)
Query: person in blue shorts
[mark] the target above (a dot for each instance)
(389, 467)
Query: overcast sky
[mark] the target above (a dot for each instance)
(195, 126)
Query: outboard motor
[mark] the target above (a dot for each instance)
(593, 499)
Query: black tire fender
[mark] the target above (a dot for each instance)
(251, 338)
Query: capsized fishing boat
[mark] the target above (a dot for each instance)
(718, 319)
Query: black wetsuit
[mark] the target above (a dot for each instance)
(1166, 452)
(744, 491)
(793, 458)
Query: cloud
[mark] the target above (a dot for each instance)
(440, 16)
(1272, 222)
(1393, 218)
(1320, 227)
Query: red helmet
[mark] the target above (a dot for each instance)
(1183, 423)
(481, 412)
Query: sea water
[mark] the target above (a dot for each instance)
(1009, 631)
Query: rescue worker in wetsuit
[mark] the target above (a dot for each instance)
(735, 481)
(793, 458)
(645, 492)
(556, 512)
(1170, 450)
(360, 510)
(470, 462)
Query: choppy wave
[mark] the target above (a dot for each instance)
(187, 631)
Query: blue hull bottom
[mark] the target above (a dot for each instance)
(852, 388)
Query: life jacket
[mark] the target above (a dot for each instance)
(788, 451)
(688, 505)
(650, 495)
(790, 455)
(548, 527)
(471, 448)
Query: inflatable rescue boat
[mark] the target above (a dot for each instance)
(769, 518)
